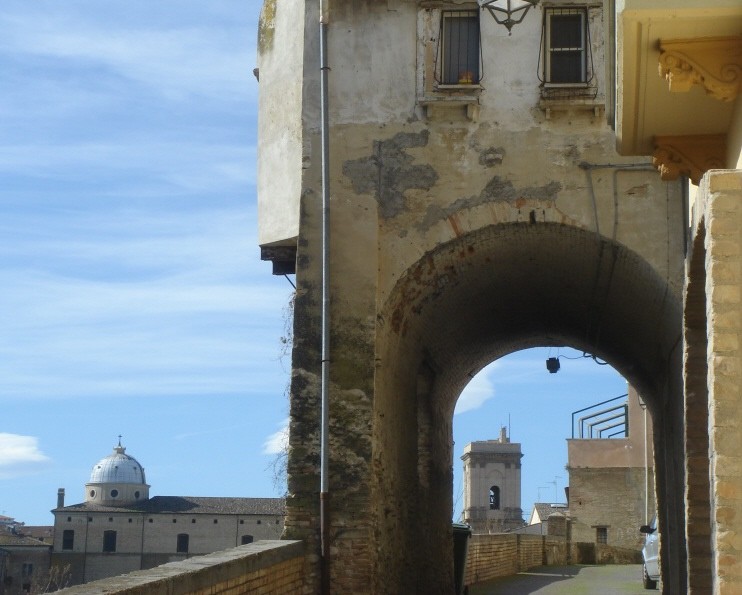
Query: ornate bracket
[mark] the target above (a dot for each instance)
(713, 62)
(691, 155)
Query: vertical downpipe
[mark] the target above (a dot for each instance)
(325, 382)
(646, 470)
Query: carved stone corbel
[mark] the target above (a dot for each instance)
(713, 62)
(691, 155)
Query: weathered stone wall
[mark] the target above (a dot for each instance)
(265, 567)
(14, 562)
(611, 498)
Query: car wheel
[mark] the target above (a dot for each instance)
(646, 581)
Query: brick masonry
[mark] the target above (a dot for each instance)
(718, 215)
(503, 554)
(612, 498)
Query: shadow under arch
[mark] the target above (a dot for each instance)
(483, 295)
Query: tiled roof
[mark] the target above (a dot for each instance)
(191, 505)
(8, 539)
(544, 509)
(42, 532)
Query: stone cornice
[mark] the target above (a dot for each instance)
(713, 62)
(691, 155)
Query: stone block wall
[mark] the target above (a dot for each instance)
(530, 551)
(612, 498)
(556, 551)
(506, 554)
(719, 215)
(260, 568)
(490, 556)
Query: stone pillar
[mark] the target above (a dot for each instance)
(721, 191)
(557, 525)
(698, 521)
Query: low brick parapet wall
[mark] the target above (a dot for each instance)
(264, 568)
(505, 554)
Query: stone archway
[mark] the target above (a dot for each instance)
(472, 300)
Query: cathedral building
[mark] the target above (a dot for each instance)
(119, 528)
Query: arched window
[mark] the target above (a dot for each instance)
(246, 539)
(494, 498)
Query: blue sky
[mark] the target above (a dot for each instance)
(133, 299)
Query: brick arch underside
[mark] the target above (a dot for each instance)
(478, 298)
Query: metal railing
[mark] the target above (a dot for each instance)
(601, 421)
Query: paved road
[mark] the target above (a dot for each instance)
(569, 580)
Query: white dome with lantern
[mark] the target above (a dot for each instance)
(117, 480)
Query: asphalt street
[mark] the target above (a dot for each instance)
(569, 580)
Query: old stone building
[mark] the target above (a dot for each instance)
(120, 528)
(611, 481)
(24, 564)
(481, 190)
(492, 485)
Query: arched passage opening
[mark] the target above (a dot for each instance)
(516, 404)
(481, 296)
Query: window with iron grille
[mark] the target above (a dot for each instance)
(68, 539)
(458, 58)
(601, 534)
(566, 55)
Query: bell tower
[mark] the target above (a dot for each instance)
(492, 485)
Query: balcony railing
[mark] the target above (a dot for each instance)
(602, 420)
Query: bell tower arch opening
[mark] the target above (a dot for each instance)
(483, 295)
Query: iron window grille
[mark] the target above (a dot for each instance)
(565, 60)
(459, 54)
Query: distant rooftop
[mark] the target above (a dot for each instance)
(190, 505)
(542, 510)
(9, 539)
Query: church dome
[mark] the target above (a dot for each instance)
(117, 468)
(117, 480)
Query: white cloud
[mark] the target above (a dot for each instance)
(278, 441)
(181, 166)
(17, 453)
(476, 393)
(152, 302)
(174, 61)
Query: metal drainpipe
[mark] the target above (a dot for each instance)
(325, 381)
